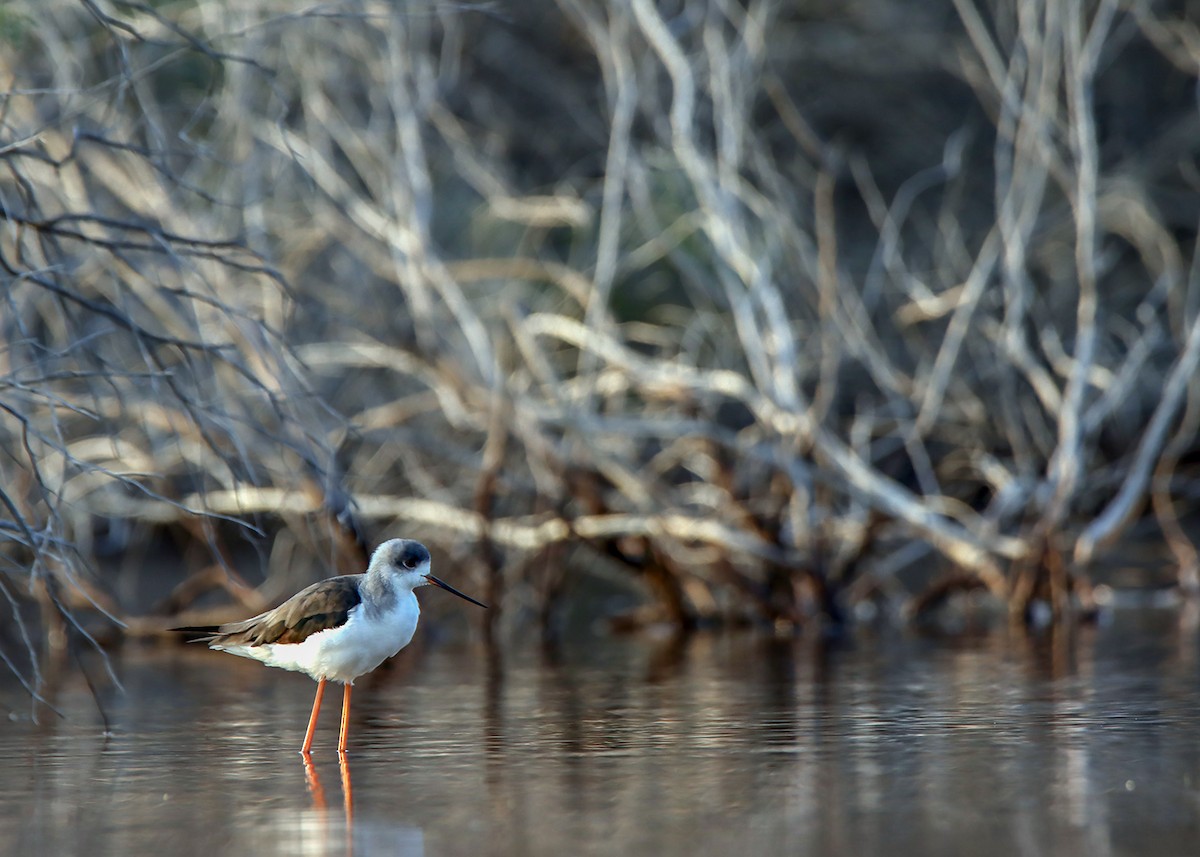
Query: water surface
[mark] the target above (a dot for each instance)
(1081, 744)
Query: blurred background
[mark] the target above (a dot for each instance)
(684, 315)
(810, 388)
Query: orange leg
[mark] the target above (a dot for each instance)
(306, 750)
(345, 720)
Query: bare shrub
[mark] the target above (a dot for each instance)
(765, 302)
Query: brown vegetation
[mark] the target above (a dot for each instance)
(765, 303)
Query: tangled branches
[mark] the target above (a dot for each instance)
(655, 287)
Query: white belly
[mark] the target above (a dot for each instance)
(346, 652)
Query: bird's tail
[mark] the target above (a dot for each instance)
(198, 633)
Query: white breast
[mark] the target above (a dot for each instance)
(346, 652)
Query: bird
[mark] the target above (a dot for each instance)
(339, 628)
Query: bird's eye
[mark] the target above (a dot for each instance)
(409, 563)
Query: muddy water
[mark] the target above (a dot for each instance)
(886, 744)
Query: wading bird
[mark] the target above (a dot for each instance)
(339, 628)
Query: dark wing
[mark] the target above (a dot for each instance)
(325, 604)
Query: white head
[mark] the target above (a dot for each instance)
(405, 559)
(409, 563)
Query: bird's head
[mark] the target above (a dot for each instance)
(410, 562)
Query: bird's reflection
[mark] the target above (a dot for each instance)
(317, 790)
(314, 783)
(347, 789)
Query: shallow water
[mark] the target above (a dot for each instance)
(1087, 744)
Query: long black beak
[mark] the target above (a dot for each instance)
(452, 590)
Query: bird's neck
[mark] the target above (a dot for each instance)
(382, 591)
